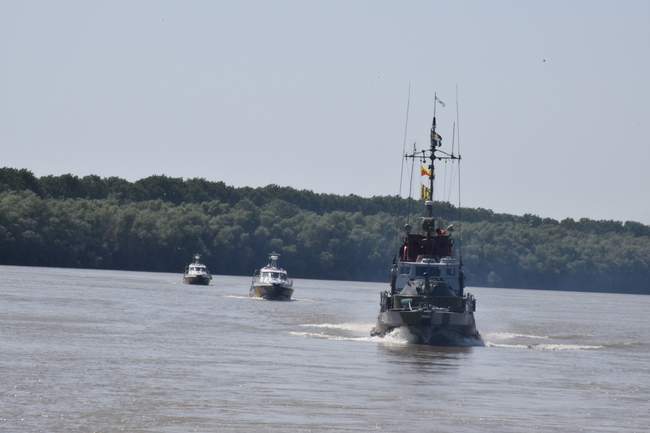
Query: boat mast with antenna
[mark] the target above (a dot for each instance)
(432, 154)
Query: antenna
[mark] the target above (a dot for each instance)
(408, 219)
(451, 171)
(406, 125)
(432, 154)
(435, 103)
(460, 228)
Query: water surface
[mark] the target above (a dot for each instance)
(112, 351)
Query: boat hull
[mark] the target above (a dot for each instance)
(273, 292)
(197, 280)
(435, 328)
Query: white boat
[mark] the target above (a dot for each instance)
(272, 282)
(197, 273)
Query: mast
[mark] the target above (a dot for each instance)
(430, 156)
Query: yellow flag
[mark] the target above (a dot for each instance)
(425, 171)
(425, 193)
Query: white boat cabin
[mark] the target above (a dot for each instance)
(272, 275)
(197, 269)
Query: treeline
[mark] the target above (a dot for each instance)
(161, 236)
(178, 190)
(159, 222)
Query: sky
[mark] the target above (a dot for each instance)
(553, 96)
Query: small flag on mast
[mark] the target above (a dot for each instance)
(425, 193)
(425, 171)
(439, 101)
(436, 138)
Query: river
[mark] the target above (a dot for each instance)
(113, 351)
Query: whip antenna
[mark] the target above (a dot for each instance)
(460, 228)
(406, 125)
(408, 219)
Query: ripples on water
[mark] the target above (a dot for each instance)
(108, 351)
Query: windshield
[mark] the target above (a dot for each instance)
(274, 275)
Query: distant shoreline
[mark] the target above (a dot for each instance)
(159, 223)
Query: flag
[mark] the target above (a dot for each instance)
(425, 171)
(439, 101)
(425, 193)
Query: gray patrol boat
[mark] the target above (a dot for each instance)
(427, 289)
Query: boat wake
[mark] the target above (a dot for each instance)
(545, 346)
(255, 298)
(252, 298)
(352, 327)
(303, 300)
(522, 341)
(360, 331)
(343, 331)
(511, 335)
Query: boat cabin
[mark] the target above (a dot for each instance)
(198, 269)
(410, 278)
(272, 274)
(417, 246)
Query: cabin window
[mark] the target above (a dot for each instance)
(405, 270)
(275, 275)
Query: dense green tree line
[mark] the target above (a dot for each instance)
(158, 223)
(161, 236)
(179, 190)
(555, 256)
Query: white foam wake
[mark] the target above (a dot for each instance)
(545, 346)
(254, 298)
(394, 337)
(511, 335)
(352, 327)
(508, 346)
(567, 347)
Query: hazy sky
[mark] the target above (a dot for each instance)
(554, 95)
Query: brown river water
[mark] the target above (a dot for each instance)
(112, 351)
